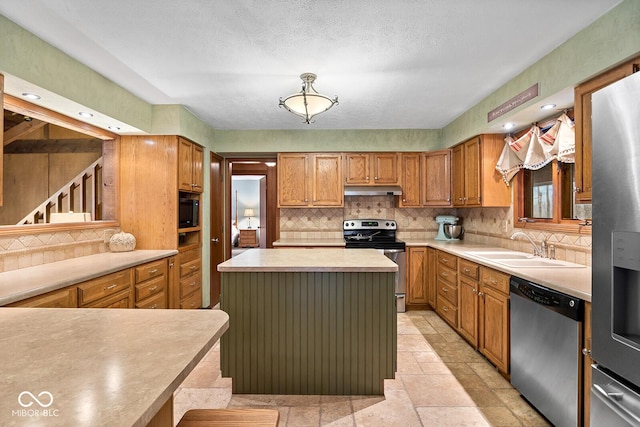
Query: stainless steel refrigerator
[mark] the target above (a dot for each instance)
(615, 392)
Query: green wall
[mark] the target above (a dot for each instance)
(608, 41)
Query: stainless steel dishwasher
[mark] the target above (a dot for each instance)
(545, 349)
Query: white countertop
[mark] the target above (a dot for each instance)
(317, 259)
(571, 281)
(101, 367)
(305, 242)
(23, 283)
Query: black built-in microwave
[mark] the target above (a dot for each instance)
(188, 212)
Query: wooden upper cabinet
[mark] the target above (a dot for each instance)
(293, 180)
(371, 168)
(582, 110)
(436, 174)
(308, 179)
(475, 179)
(326, 182)
(190, 166)
(410, 174)
(356, 168)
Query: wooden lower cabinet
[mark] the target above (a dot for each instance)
(111, 291)
(468, 301)
(151, 282)
(447, 287)
(417, 277)
(432, 261)
(190, 282)
(493, 315)
(63, 298)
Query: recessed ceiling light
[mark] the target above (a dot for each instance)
(114, 128)
(548, 106)
(30, 95)
(85, 114)
(509, 125)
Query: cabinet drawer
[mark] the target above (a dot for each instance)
(447, 311)
(447, 274)
(190, 267)
(194, 301)
(104, 286)
(150, 270)
(189, 285)
(449, 260)
(469, 269)
(64, 298)
(118, 300)
(495, 279)
(155, 301)
(150, 287)
(448, 292)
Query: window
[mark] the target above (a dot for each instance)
(545, 199)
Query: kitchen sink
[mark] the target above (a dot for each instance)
(516, 259)
(497, 255)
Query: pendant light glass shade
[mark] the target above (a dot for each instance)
(308, 103)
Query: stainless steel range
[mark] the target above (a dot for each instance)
(379, 234)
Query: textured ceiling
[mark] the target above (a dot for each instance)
(394, 64)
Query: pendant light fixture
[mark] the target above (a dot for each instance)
(308, 103)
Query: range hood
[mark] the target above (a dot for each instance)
(379, 190)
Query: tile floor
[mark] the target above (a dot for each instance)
(441, 381)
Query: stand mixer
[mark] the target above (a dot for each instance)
(444, 220)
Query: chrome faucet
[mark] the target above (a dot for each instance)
(537, 251)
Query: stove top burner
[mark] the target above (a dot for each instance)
(371, 233)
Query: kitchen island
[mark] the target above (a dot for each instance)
(309, 321)
(99, 367)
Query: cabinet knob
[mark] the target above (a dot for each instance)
(480, 294)
(154, 271)
(445, 308)
(215, 240)
(367, 178)
(586, 352)
(445, 290)
(153, 289)
(474, 290)
(375, 177)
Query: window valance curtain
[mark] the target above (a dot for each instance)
(534, 150)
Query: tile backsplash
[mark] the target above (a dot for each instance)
(491, 226)
(21, 251)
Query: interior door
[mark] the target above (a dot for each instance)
(217, 226)
(262, 232)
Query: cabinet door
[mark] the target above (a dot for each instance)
(293, 180)
(417, 275)
(185, 165)
(472, 183)
(494, 327)
(385, 168)
(468, 310)
(582, 97)
(436, 175)
(197, 166)
(457, 165)
(410, 172)
(356, 168)
(328, 189)
(431, 277)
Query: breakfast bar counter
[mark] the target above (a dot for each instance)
(309, 321)
(99, 367)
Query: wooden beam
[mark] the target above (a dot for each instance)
(19, 130)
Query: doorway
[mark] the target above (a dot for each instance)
(252, 204)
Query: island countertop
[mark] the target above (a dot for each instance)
(318, 259)
(94, 367)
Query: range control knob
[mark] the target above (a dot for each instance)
(572, 303)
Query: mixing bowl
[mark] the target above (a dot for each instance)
(452, 231)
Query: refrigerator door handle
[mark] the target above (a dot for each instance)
(614, 401)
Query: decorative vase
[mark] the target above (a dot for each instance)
(122, 242)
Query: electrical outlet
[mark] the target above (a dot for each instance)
(108, 233)
(506, 225)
